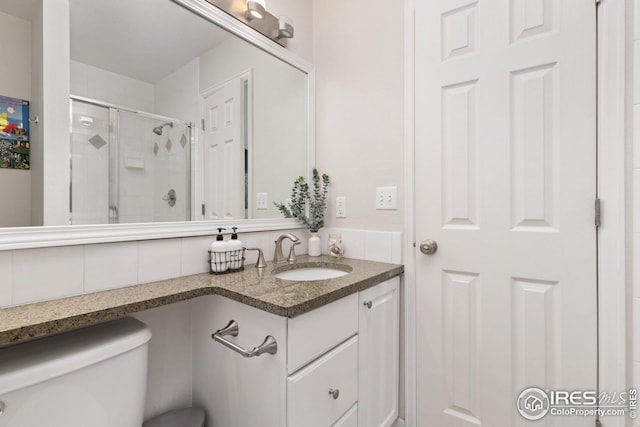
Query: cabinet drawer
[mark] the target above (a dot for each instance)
(309, 402)
(350, 419)
(318, 331)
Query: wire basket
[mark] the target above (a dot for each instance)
(226, 262)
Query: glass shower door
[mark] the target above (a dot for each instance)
(90, 145)
(128, 167)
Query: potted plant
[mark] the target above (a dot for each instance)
(316, 201)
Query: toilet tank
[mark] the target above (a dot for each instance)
(92, 377)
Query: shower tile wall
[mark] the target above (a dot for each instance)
(136, 168)
(170, 173)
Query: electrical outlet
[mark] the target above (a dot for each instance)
(386, 198)
(341, 207)
(261, 201)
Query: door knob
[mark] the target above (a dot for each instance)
(429, 247)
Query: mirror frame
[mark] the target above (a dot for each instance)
(66, 235)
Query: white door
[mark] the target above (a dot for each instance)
(505, 184)
(224, 152)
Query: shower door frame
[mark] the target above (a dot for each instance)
(114, 138)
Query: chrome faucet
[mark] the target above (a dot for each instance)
(278, 256)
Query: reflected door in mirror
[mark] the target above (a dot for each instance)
(225, 144)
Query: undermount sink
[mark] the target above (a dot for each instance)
(308, 272)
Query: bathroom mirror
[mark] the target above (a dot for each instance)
(171, 117)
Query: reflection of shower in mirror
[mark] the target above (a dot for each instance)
(158, 129)
(121, 171)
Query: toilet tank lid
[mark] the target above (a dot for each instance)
(33, 362)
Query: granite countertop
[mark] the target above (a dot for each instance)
(255, 287)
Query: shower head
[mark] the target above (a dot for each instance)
(158, 129)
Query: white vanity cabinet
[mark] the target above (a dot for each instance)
(336, 366)
(378, 364)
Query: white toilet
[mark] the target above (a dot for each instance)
(92, 377)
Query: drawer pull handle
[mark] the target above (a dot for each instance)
(269, 345)
(334, 393)
(368, 304)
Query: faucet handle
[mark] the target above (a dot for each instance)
(292, 252)
(261, 262)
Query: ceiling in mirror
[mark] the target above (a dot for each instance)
(23, 9)
(172, 119)
(151, 40)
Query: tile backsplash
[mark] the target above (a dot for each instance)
(110, 265)
(6, 278)
(382, 246)
(45, 273)
(32, 275)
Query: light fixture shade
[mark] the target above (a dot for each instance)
(285, 27)
(256, 9)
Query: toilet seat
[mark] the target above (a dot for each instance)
(188, 417)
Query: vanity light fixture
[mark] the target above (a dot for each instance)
(254, 14)
(256, 9)
(285, 27)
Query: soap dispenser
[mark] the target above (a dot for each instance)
(219, 249)
(235, 251)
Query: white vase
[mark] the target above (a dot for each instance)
(315, 247)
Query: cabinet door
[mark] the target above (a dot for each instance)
(314, 333)
(350, 419)
(321, 392)
(378, 345)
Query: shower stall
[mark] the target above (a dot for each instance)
(128, 166)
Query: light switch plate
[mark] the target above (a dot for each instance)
(341, 207)
(261, 201)
(386, 198)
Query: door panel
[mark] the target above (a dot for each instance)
(224, 152)
(505, 183)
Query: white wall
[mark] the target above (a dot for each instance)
(300, 12)
(95, 83)
(15, 82)
(176, 95)
(358, 54)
